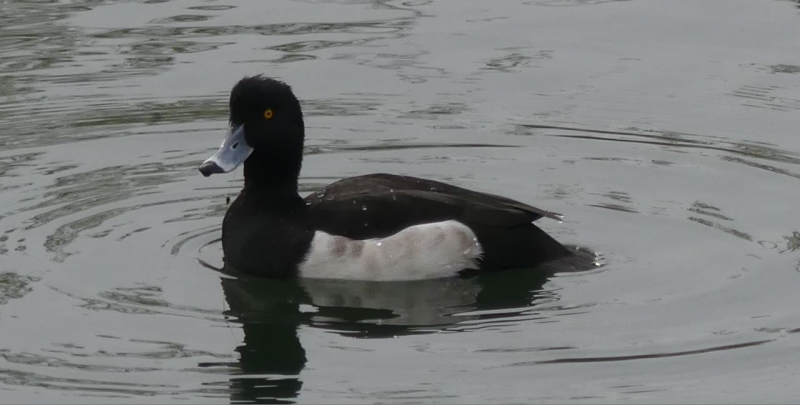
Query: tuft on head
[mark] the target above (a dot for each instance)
(254, 94)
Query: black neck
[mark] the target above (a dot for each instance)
(273, 171)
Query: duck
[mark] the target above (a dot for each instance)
(372, 227)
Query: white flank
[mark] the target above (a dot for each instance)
(420, 252)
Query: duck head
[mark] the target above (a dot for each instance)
(266, 133)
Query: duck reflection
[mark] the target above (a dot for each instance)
(271, 356)
(271, 311)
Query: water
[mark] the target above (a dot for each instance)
(664, 131)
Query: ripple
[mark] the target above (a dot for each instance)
(709, 211)
(688, 142)
(782, 68)
(569, 3)
(31, 359)
(189, 236)
(508, 62)
(294, 28)
(765, 97)
(13, 377)
(182, 18)
(311, 46)
(141, 300)
(730, 231)
(211, 8)
(649, 355)
(293, 58)
(13, 285)
(615, 207)
(792, 242)
(54, 122)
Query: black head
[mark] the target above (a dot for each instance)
(268, 110)
(266, 134)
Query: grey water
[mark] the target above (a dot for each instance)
(665, 132)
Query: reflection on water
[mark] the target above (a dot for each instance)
(271, 312)
(270, 316)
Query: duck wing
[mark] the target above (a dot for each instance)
(385, 204)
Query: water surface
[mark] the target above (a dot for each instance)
(664, 131)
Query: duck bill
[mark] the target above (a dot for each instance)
(233, 151)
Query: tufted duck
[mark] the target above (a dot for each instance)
(378, 227)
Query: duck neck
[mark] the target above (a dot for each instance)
(273, 173)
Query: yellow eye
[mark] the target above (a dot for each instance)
(268, 114)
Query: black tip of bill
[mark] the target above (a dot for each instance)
(209, 167)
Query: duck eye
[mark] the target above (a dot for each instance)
(268, 114)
